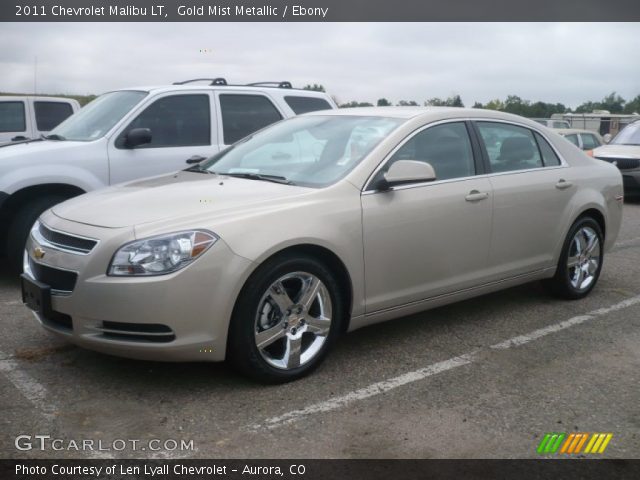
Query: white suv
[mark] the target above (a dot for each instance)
(132, 133)
(26, 117)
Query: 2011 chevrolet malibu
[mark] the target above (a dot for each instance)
(320, 224)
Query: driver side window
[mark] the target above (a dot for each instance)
(446, 147)
(175, 121)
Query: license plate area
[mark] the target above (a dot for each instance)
(36, 295)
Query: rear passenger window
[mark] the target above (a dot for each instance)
(244, 114)
(301, 105)
(12, 117)
(50, 114)
(176, 121)
(509, 147)
(589, 141)
(573, 138)
(549, 157)
(445, 147)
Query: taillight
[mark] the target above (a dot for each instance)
(589, 152)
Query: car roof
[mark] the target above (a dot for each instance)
(425, 113)
(568, 131)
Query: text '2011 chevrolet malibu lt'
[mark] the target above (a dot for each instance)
(320, 224)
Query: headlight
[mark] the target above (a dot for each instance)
(160, 255)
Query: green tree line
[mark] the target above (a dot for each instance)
(613, 103)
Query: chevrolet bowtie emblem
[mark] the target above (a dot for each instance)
(38, 253)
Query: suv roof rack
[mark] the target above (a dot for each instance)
(223, 82)
(270, 84)
(214, 81)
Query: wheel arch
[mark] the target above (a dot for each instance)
(12, 204)
(327, 257)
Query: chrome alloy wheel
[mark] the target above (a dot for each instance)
(293, 320)
(584, 258)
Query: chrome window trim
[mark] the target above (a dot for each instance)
(367, 191)
(37, 236)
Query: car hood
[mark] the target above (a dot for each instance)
(169, 196)
(617, 151)
(35, 151)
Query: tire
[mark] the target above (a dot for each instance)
(20, 227)
(272, 319)
(580, 261)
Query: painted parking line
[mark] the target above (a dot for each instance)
(28, 387)
(384, 386)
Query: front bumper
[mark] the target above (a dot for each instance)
(183, 316)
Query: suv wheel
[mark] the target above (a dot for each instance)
(21, 225)
(285, 320)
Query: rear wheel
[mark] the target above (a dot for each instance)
(285, 320)
(580, 262)
(20, 227)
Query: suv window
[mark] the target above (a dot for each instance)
(589, 141)
(548, 155)
(301, 105)
(50, 114)
(176, 121)
(509, 147)
(445, 147)
(244, 114)
(12, 117)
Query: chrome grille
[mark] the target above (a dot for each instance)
(63, 241)
(622, 163)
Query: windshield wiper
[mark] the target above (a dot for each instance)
(259, 176)
(53, 136)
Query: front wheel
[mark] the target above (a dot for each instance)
(285, 320)
(580, 262)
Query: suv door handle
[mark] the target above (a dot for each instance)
(196, 159)
(562, 184)
(476, 196)
(19, 138)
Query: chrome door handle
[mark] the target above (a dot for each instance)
(476, 196)
(562, 184)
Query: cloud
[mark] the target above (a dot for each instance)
(565, 62)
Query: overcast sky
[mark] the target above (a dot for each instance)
(565, 62)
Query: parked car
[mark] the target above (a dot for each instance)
(133, 133)
(624, 152)
(552, 123)
(583, 139)
(25, 117)
(373, 214)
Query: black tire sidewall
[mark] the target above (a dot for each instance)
(241, 348)
(21, 225)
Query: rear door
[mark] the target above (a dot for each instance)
(182, 132)
(531, 189)
(15, 123)
(423, 240)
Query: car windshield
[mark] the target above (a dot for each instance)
(312, 151)
(630, 135)
(98, 117)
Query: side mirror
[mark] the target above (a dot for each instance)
(607, 137)
(403, 172)
(137, 137)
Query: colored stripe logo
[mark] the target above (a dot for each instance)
(574, 443)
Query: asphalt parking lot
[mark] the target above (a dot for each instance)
(485, 378)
